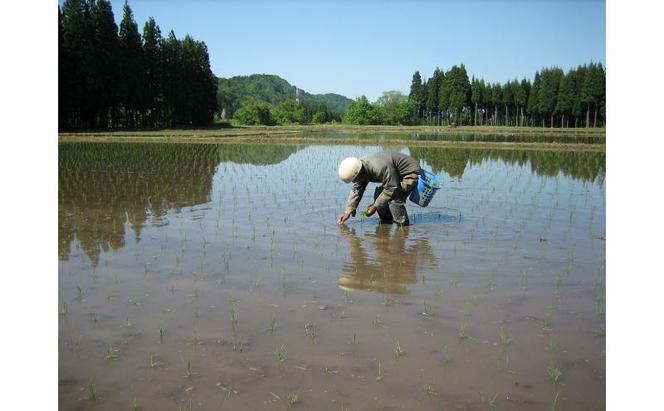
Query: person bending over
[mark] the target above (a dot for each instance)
(397, 173)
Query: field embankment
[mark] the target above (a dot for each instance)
(362, 135)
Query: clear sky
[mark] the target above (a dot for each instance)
(364, 47)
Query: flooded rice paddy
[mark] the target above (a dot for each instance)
(196, 276)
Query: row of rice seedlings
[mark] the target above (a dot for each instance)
(305, 328)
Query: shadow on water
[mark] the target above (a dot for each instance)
(385, 261)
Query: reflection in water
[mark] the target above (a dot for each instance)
(487, 138)
(580, 165)
(383, 262)
(107, 188)
(104, 186)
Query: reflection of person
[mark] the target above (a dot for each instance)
(393, 265)
(398, 174)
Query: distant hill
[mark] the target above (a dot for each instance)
(233, 92)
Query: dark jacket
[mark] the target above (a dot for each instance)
(387, 168)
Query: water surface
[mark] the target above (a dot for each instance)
(233, 251)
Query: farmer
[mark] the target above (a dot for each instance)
(398, 174)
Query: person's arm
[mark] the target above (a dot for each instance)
(356, 193)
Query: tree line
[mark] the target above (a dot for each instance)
(287, 112)
(554, 98)
(114, 77)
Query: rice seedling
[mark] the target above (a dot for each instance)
(599, 332)
(398, 352)
(161, 334)
(311, 330)
(328, 370)
(354, 342)
(128, 324)
(74, 344)
(91, 394)
(187, 407)
(553, 372)
(429, 389)
(65, 309)
(273, 325)
(461, 333)
(489, 401)
(376, 322)
(234, 320)
(134, 405)
(505, 339)
(110, 352)
(427, 309)
(227, 389)
(546, 324)
(240, 345)
(188, 371)
(292, 399)
(79, 293)
(153, 362)
(380, 376)
(281, 354)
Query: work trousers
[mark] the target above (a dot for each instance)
(395, 209)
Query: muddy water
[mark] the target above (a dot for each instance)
(234, 253)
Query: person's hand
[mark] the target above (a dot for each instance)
(342, 218)
(371, 210)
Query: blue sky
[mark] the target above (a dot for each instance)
(365, 47)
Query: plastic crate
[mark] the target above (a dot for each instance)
(426, 188)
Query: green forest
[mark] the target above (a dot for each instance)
(114, 77)
(250, 91)
(553, 99)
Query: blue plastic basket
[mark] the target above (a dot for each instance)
(427, 185)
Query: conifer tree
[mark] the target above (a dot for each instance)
(104, 64)
(565, 98)
(152, 59)
(131, 67)
(417, 94)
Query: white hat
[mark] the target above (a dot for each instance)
(349, 169)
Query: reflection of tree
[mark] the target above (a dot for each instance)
(104, 186)
(259, 154)
(580, 165)
(394, 264)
